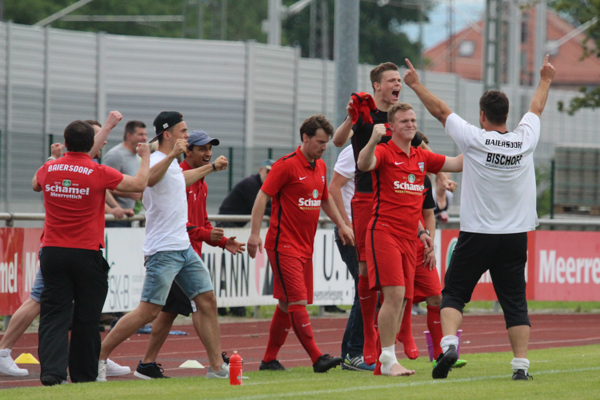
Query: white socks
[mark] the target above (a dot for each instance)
(519, 363)
(5, 352)
(388, 359)
(447, 341)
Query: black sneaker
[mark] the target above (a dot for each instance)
(521, 375)
(444, 363)
(149, 371)
(50, 380)
(326, 362)
(273, 365)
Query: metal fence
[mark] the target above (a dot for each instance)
(252, 97)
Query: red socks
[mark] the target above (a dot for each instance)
(368, 306)
(435, 329)
(405, 335)
(280, 326)
(301, 324)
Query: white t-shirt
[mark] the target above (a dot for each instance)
(498, 193)
(166, 210)
(346, 166)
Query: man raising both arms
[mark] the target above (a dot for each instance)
(297, 184)
(398, 184)
(498, 208)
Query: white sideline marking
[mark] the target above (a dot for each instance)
(401, 385)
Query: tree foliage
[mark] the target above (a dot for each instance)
(379, 38)
(580, 12)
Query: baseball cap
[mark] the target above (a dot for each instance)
(200, 138)
(164, 121)
(267, 164)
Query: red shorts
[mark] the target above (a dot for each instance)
(427, 283)
(390, 261)
(362, 210)
(292, 277)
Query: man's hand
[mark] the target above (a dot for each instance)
(114, 117)
(179, 148)
(446, 182)
(349, 108)
(221, 163)
(379, 131)
(234, 246)
(411, 78)
(56, 150)
(255, 243)
(143, 150)
(346, 235)
(429, 259)
(128, 212)
(427, 242)
(118, 212)
(547, 71)
(216, 234)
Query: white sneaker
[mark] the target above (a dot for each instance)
(114, 369)
(222, 374)
(8, 366)
(101, 371)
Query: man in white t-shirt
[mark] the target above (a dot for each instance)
(498, 208)
(341, 190)
(168, 253)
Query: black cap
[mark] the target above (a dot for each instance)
(164, 121)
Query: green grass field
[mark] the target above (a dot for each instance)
(563, 373)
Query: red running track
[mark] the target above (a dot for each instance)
(481, 334)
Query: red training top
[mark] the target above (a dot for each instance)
(398, 185)
(198, 225)
(297, 190)
(74, 187)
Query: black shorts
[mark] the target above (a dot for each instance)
(178, 302)
(505, 256)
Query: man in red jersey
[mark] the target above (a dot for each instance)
(398, 182)
(386, 83)
(74, 272)
(297, 184)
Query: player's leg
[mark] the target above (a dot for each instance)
(20, 321)
(508, 277)
(89, 273)
(161, 327)
(470, 259)
(361, 215)
(161, 269)
(405, 335)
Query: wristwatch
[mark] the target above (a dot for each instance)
(51, 158)
(422, 232)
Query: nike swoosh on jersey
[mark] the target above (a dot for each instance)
(398, 163)
(305, 325)
(303, 178)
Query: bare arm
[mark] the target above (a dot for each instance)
(538, 102)
(110, 200)
(453, 164)
(138, 182)
(193, 175)
(366, 158)
(158, 170)
(344, 131)
(335, 193)
(113, 119)
(345, 232)
(258, 210)
(429, 218)
(130, 195)
(434, 105)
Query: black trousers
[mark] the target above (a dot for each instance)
(75, 283)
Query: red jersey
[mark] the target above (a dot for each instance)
(398, 186)
(297, 190)
(198, 226)
(74, 187)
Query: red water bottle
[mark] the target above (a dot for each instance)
(235, 369)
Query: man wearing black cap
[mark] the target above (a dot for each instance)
(169, 255)
(197, 154)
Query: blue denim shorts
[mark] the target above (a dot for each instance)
(184, 267)
(38, 286)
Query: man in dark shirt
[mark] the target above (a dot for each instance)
(241, 199)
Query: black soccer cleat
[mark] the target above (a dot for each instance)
(273, 365)
(225, 358)
(326, 362)
(444, 363)
(149, 371)
(521, 375)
